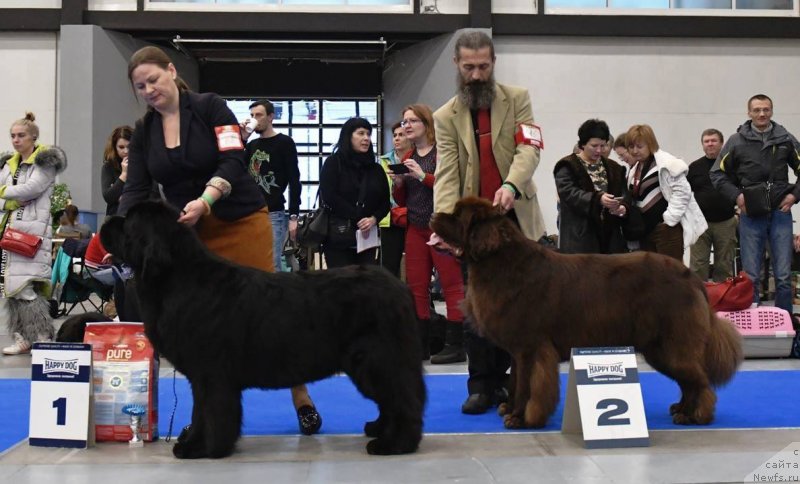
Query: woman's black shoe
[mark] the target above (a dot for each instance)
(309, 420)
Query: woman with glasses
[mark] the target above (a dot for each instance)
(415, 191)
(657, 181)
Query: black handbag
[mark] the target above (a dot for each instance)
(756, 199)
(633, 227)
(312, 227)
(342, 230)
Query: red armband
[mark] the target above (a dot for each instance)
(229, 137)
(529, 134)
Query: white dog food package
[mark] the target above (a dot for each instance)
(125, 372)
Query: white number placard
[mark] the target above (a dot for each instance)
(604, 398)
(61, 387)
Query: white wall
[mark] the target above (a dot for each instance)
(679, 87)
(96, 97)
(28, 82)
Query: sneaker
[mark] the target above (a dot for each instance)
(19, 347)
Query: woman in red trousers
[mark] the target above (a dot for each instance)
(415, 191)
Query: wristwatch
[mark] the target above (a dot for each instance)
(293, 216)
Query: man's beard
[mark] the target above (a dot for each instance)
(476, 94)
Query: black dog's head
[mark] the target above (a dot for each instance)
(474, 230)
(149, 238)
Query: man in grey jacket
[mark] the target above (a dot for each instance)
(753, 167)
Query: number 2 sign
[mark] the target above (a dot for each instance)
(604, 398)
(60, 394)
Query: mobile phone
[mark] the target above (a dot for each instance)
(398, 169)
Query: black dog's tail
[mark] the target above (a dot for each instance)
(72, 329)
(723, 350)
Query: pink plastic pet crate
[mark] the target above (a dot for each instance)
(767, 331)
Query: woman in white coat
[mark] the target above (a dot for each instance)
(27, 177)
(658, 184)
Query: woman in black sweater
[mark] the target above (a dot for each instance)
(353, 207)
(115, 167)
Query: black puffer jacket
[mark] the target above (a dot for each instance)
(748, 158)
(586, 228)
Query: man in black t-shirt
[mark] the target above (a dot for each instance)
(272, 162)
(719, 214)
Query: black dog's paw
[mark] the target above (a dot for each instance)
(185, 450)
(185, 434)
(386, 447)
(373, 429)
(380, 447)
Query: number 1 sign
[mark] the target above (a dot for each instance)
(60, 394)
(604, 398)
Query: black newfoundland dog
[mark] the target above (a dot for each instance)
(228, 328)
(537, 304)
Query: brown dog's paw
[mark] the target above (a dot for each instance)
(512, 422)
(683, 419)
(504, 409)
(676, 408)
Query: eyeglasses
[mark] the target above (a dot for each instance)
(408, 122)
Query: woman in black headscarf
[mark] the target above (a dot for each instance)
(354, 188)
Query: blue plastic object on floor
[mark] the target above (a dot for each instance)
(754, 399)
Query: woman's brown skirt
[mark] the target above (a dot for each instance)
(247, 241)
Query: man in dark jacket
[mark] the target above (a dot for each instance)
(752, 168)
(718, 211)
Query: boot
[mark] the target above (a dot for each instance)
(453, 351)
(424, 326)
(437, 332)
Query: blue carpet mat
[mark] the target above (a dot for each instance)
(754, 399)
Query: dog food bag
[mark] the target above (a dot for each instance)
(125, 372)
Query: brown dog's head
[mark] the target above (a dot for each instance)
(474, 230)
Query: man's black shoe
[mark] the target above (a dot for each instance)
(476, 404)
(500, 396)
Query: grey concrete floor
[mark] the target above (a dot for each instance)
(691, 456)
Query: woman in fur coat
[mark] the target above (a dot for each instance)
(27, 177)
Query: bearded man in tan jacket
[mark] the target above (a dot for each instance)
(488, 147)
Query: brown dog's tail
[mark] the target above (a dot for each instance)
(723, 351)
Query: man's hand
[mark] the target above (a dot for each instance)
(788, 201)
(293, 230)
(504, 197)
(740, 204)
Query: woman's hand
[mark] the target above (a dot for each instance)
(414, 169)
(620, 211)
(397, 180)
(192, 212)
(124, 175)
(608, 201)
(107, 259)
(366, 224)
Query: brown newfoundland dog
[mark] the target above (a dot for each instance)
(537, 304)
